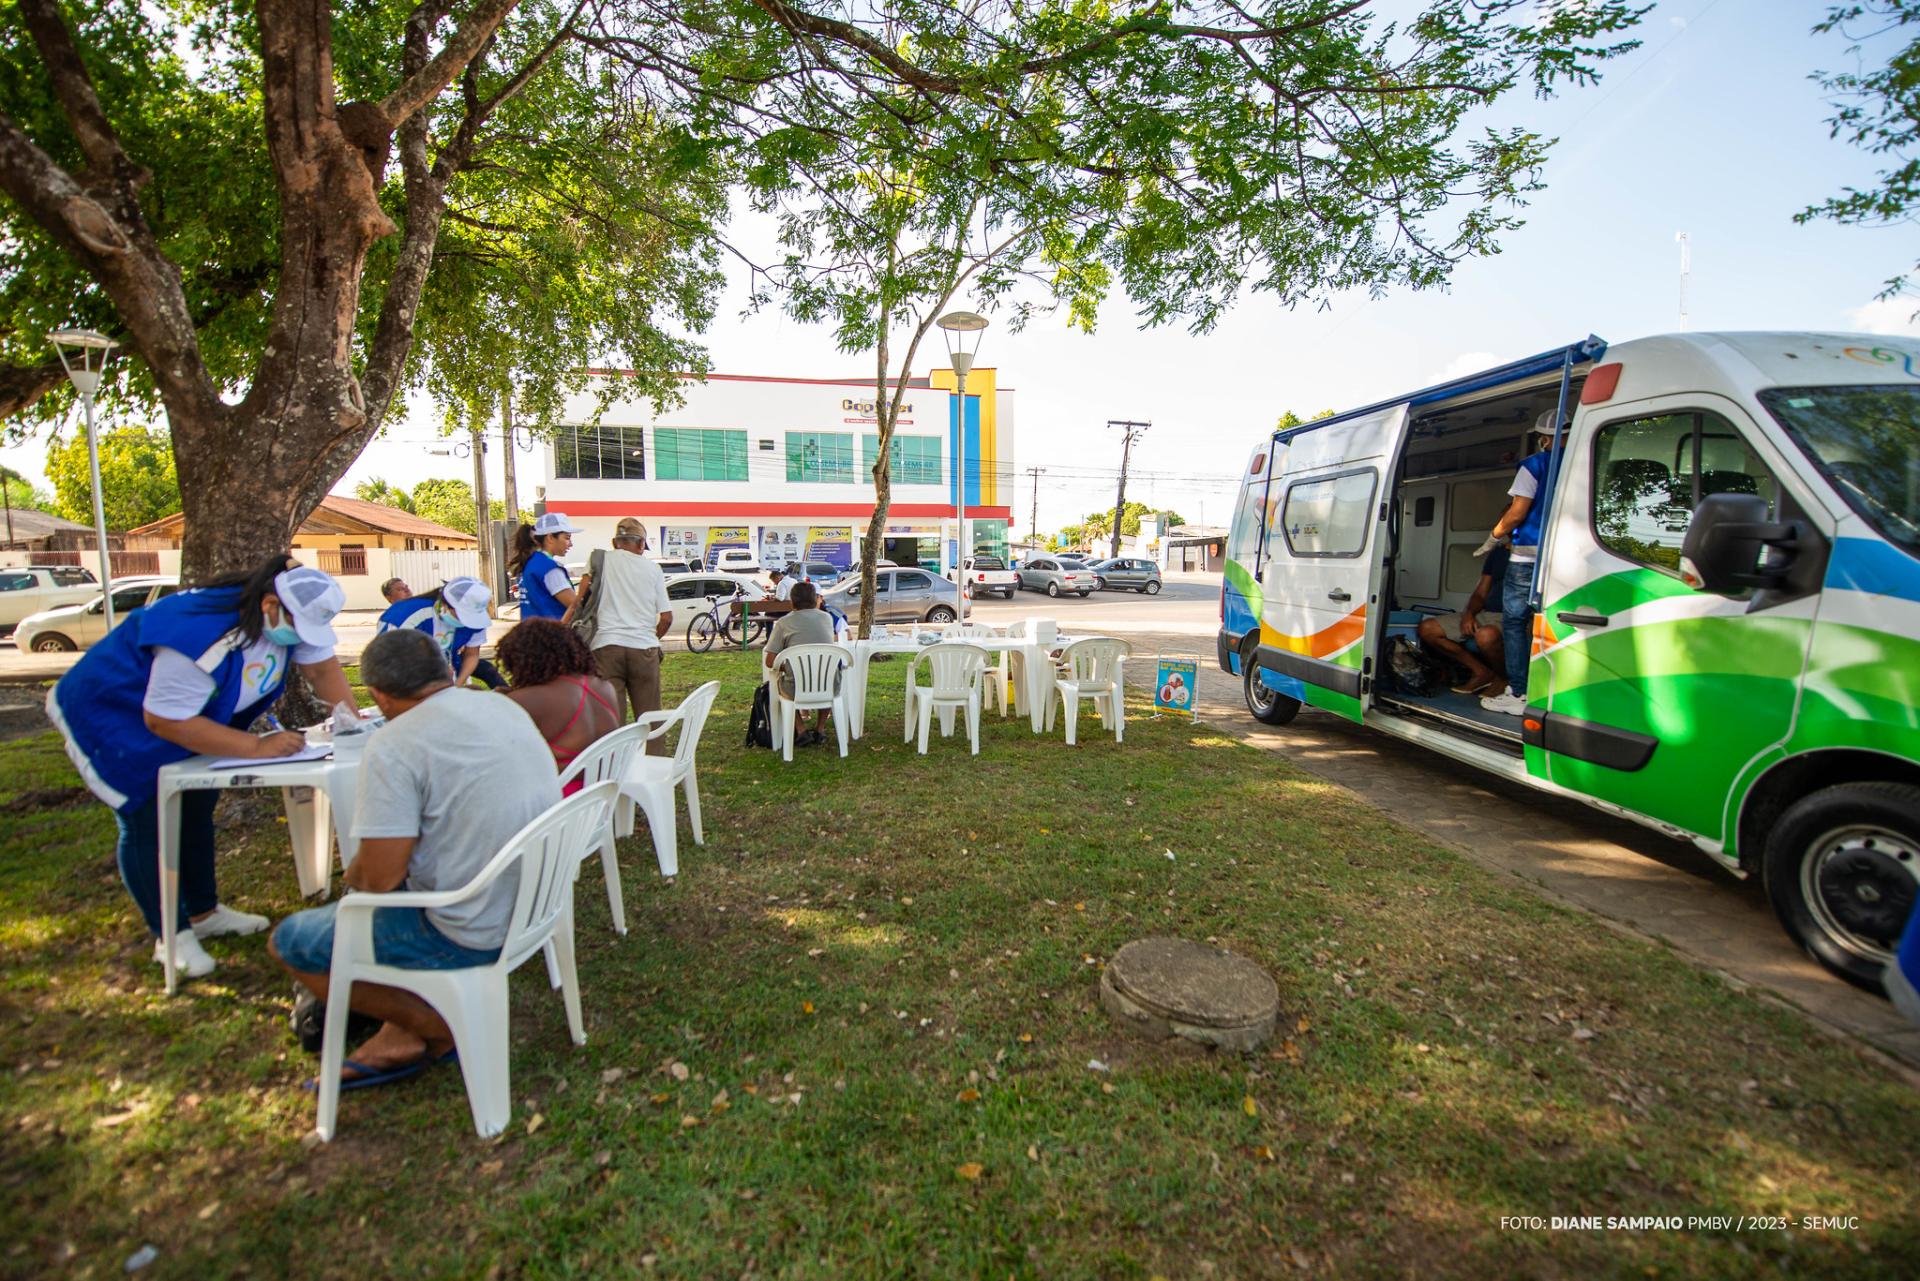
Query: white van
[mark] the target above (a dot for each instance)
(1722, 638)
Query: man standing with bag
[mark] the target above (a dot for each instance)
(626, 614)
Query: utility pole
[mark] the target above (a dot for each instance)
(480, 527)
(1132, 430)
(1033, 520)
(507, 452)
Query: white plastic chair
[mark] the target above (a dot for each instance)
(649, 780)
(817, 672)
(969, 631)
(956, 671)
(545, 857)
(608, 757)
(1091, 669)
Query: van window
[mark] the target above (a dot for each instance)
(1867, 442)
(1249, 527)
(1650, 473)
(1329, 516)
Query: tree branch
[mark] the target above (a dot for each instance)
(462, 47)
(74, 89)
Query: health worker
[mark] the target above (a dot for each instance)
(455, 615)
(546, 589)
(186, 675)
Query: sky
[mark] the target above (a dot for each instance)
(1712, 127)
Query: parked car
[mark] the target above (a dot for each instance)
(900, 596)
(818, 572)
(28, 589)
(989, 576)
(71, 627)
(672, 567)
(1129, 573)
(1056, 576)
(736, 560)
(688, 593)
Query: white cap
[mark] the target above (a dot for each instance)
(467, 598)
(1547, 423)
(310, 599)
(554, 523)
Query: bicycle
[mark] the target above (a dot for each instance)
(718, 624)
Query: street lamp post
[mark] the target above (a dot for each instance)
(84, 354)
(957, 326)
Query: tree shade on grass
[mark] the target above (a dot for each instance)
(856, 1037)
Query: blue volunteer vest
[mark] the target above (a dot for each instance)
(1527, 533)
(97, 704)
(535, 600)
(417, 612)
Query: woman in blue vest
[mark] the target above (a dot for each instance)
(455, 615)
(187, 675)
(546, 589)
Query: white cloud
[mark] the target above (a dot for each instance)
(1467, 362)
(1887, 316)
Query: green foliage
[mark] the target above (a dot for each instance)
(445, 501)
(376, 489)
(1877, 111)
(21, 494)
(1291, 419)
(137, 482)
(1099, 525)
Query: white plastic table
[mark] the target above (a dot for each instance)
(311, 821)
(1037, 665)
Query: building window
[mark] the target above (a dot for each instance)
(697, 453)
(600, 453)
(815, 457)
(915, 460)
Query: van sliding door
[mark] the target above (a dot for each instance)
(1322, 576)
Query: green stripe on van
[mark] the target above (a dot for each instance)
(1617, 593)
(1244, 583)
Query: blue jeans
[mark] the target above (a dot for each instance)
(139, 856)
(1516, 623)
(403, 937)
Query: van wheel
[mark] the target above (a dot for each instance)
(1842, 869)
(1269, 706)
(53, 643)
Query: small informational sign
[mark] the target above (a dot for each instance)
(1176, 684)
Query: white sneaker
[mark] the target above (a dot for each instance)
(1507, 704)
(224, 920)
(189, 957)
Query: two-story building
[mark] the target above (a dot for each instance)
(784, 467)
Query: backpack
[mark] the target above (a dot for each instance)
(586, 614)
(1412, 669)
(760, 719)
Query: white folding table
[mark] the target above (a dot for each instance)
(314, 820)
(1037, 666)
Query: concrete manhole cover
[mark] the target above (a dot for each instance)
(1162, 987)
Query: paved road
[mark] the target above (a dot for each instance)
(1632, 877)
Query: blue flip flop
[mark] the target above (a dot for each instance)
(369, 1078)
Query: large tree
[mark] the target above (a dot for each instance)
(264, 249)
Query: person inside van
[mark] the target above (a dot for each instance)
(1521, 527)
(1449, 634)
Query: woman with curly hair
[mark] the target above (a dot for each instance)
(553, 679)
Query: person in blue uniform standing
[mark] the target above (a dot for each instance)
(1521, 528)
(187, 675)
(546, 589)
(455, 615)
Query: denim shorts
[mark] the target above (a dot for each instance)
(403, 937)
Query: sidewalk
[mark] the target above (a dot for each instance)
(1630, 876)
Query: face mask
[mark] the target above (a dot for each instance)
(282, 635)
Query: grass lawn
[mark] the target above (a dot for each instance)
(855, 1039)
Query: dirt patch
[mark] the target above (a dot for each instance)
(46, 798)
(22, 712)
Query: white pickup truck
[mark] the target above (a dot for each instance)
(28, 589)
(988, 576)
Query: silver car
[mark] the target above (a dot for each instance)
(901, 595)
(1056, 576)
(1129, 573)
(71, 627)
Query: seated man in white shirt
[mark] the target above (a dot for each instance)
(783, 581)
(443, 786)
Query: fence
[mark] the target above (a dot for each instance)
(423, 571)
(124, 563)
(342, 562)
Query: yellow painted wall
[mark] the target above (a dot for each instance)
(981, 382)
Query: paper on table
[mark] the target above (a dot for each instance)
(239, 762)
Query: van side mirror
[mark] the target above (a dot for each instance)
(1731, 545)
